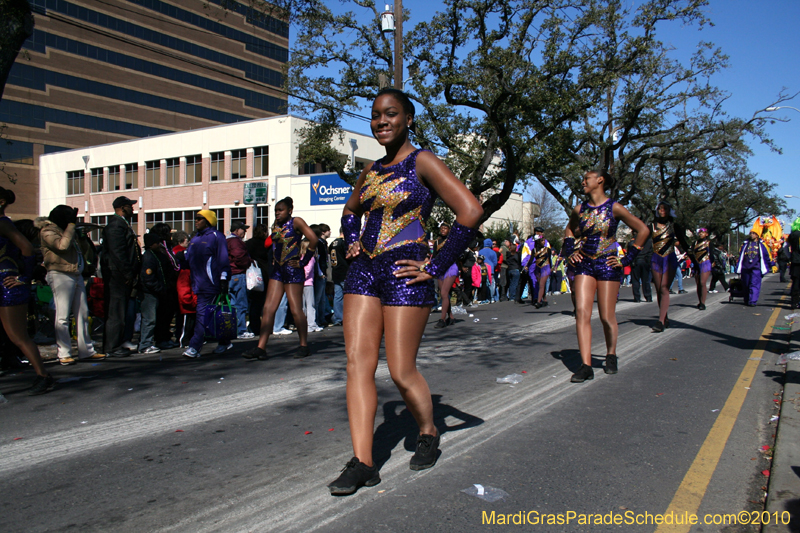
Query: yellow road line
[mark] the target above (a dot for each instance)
(693, 487)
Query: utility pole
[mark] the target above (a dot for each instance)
(398, 44)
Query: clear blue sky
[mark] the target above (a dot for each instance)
(762, 40)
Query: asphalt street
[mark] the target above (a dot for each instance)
(163, 443)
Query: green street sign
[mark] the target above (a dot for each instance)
(255, 192)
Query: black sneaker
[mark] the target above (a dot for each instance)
(301, 353)
(611, 364)
(701, 307)
(659, 327)
(584, 372)
(441, 323)
(543, 304)
(355, 475)
(42, 385)
(256, 353)
(425, 455)
(682, 291)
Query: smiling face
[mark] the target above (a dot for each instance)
(390, 123)
(591, 181)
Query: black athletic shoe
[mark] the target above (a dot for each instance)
(425, 455)
(543, 304)
(42, 385)
(256, 353)
(440, 324)
(683, 291)
(701, 307)
(659, 327)
(666, 322)
(537, 305)
(302, 352)
(355, 475)
(611, 364)
(584, 372)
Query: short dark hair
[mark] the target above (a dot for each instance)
(287, 201)
(324, 227)
(8, 195)
(178, 237)
(608, 180)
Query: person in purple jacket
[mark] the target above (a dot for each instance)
(210, 268)
(754, 262)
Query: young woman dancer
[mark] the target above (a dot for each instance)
(701, 263)
(598, 267)
(541, 253)
(664, 262)
(17, 262)
(446, 280)
(287, 277)
(389, 287)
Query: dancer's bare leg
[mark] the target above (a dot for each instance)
(294, 297)
(607, 305)
(15, 322)
(271, 303)
(584, 290)
(444, 291)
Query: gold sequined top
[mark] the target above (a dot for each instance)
(700, 250)
(663, 238)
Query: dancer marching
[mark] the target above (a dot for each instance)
(701, 264)
(664, 262)
(754, 263)
(598, 267)
(389, 287)
(541, 253)
(446, 280)
(17, 262)
(287, 277)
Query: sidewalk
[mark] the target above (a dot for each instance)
(784, 482)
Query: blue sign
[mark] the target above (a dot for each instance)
(329, 189)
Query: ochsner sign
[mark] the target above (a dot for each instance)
(328, 189)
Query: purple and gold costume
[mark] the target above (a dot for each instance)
(598, 230)
(286, 247)
(453, 270)
(664, 258)
(702, 262)
(11, 264)
(542, 258)
(396, 205)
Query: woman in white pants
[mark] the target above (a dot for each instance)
(65, 263)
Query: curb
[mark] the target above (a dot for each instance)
(784, 482)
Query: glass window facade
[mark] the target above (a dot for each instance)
(177, 220)
(239, 214)
(262, 216)
(194, 169)
(74, 182)
(132, 176)
(220, 219)
(173, 171)
(19, 152)
(101, 220)
(113, 178)
(238, 164)
(217, 165)
(261, 161)
(97, 180)
(152, 173)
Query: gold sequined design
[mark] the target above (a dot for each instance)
(663, 239)
(597, 223)
(543, 256)
(386, 195)
(286, 240)
(700, 250)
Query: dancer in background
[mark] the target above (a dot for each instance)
(446, 280)
(701, 263)
(754, 263)
(664, 263)
(598, 267)
(390, 287)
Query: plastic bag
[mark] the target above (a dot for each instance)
(458, 310)
(221, 319)
(255, 281)
(513, 379)
(489, 494)
(785, 358)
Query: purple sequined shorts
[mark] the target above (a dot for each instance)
(288, 274)
(598, 269)
(15, 296)
(661, 264)
(705, 266)
(544, 271)
(375, 277)
(451, 272)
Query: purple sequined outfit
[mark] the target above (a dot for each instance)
(702, 263)
(598, 230)
(10, 265)
(664, 258)
(286, 247)
(396, 206)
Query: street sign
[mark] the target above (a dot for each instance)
(255, 192)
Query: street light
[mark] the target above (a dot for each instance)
(773, 108)
(392, 22)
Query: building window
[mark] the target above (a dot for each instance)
(131, 176)
(152, 173)
(194, 169)
(220, 219)
(97, 234)
(261, 161)
(309, 168)
(97, 180)
(217, 165)
(238, 214)
(19, 152)
(238, 164)
(113, 178)
(173, 171)
(262, 216)
(74, 182)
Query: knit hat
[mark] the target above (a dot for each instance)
(208, 215)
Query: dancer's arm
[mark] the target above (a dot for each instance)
(351, 217)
